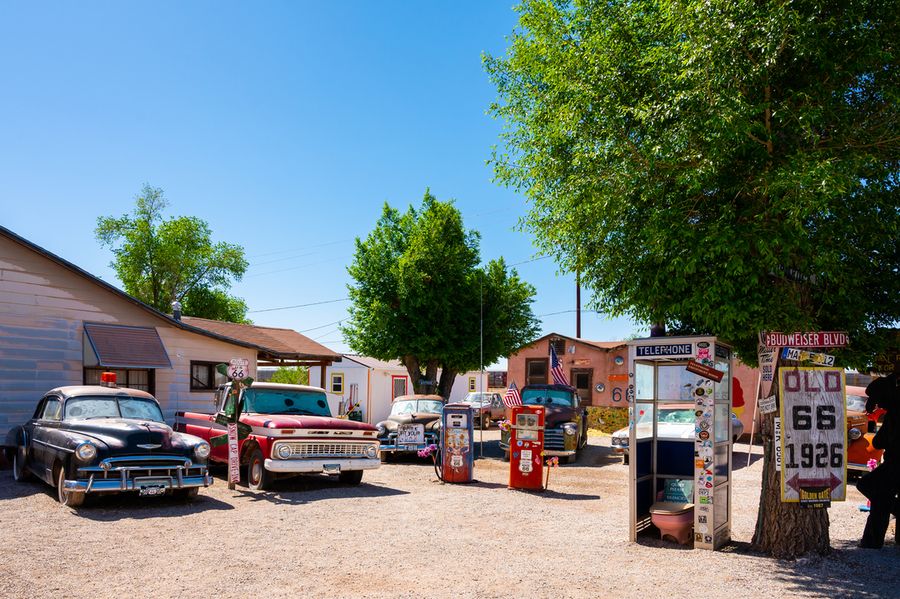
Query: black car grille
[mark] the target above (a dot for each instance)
(123, 468)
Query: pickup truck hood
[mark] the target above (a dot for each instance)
(555, 416)
(126, 434)
(303, 422)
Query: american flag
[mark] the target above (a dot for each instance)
(512, 397)
(559, 377)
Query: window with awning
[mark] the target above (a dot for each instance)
(121, 346)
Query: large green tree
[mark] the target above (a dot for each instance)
(727, 167)
(160, 260)
(419, 296)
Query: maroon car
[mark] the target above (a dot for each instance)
(486, 407)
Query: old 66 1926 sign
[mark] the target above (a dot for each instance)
(814, 438)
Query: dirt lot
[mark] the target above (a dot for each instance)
(404, 534)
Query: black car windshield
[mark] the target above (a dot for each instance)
(547, 397)
(83, 408)
(285, 401)
(409, 406)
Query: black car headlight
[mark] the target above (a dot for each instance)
(86, 451)
(854, 433)
(201, 450)
(382, 429)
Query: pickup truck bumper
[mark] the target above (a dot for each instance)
(326, 465)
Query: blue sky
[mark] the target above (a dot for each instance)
(285, 125)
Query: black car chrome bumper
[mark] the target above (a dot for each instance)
(133, 473)
(390, 445)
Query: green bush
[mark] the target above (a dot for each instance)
(607, 419)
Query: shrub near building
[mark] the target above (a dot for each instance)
(607, 419)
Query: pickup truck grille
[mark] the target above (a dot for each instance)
(553, 439)
(301, 449)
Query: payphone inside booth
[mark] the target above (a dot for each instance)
(680, 454)
(457, 455)
(526, 448)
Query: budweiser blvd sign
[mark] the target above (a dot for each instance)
(815, 339)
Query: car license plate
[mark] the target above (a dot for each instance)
(410, 434)
(150, 487)
(332, 468)
(151, 490)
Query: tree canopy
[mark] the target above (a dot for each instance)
(162, 260)
(419, 296)
(725, 167)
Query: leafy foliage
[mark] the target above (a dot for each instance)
(298, 375)
(417, 296)
(162, 260)
(725, 167)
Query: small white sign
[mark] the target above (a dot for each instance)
(777, 442)
(410, 434)
(801, 355)
(239, 368)
(767, 405)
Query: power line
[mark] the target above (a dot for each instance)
(305, 265)
(531, 260)
(295, 249)
(343, 299)
(322, 326)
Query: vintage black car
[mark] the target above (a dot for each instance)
(413, 424)
(565, 421)
(96, 439)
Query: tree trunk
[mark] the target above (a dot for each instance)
(414, 371)
(448, 376)
(431, 369)
(785, 530)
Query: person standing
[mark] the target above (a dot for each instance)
(882, 485)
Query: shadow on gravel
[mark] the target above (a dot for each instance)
(10, 489)
(739, 459)
(128, 506)
(848, 572)
(301, 490)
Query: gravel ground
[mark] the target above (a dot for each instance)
(404, 534)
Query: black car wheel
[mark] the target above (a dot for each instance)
(20, 471)
(65, 497)
(351, 477)
(258, 478)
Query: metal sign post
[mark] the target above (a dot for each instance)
(238, 372)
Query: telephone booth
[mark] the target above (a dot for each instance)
(680, 430)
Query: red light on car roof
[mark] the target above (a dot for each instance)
(108, 379)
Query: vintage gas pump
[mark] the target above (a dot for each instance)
(457, 453)
(526, 444)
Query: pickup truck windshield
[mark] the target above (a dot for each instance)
(281, 401)
(547, 397)
(477, 398)
(82, 408)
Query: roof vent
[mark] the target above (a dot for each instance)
(176, 310)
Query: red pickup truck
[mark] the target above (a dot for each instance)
(289, 430)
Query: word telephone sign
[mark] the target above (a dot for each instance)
(457, 456)
(814, 436)
(526, 448)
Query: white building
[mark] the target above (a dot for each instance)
(375, 383)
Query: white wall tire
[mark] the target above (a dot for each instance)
(65, 497)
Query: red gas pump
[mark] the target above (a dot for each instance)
(526, 444)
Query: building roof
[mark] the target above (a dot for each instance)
(276, 343)
(285, 346)
(607, 345)
(375, 363)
